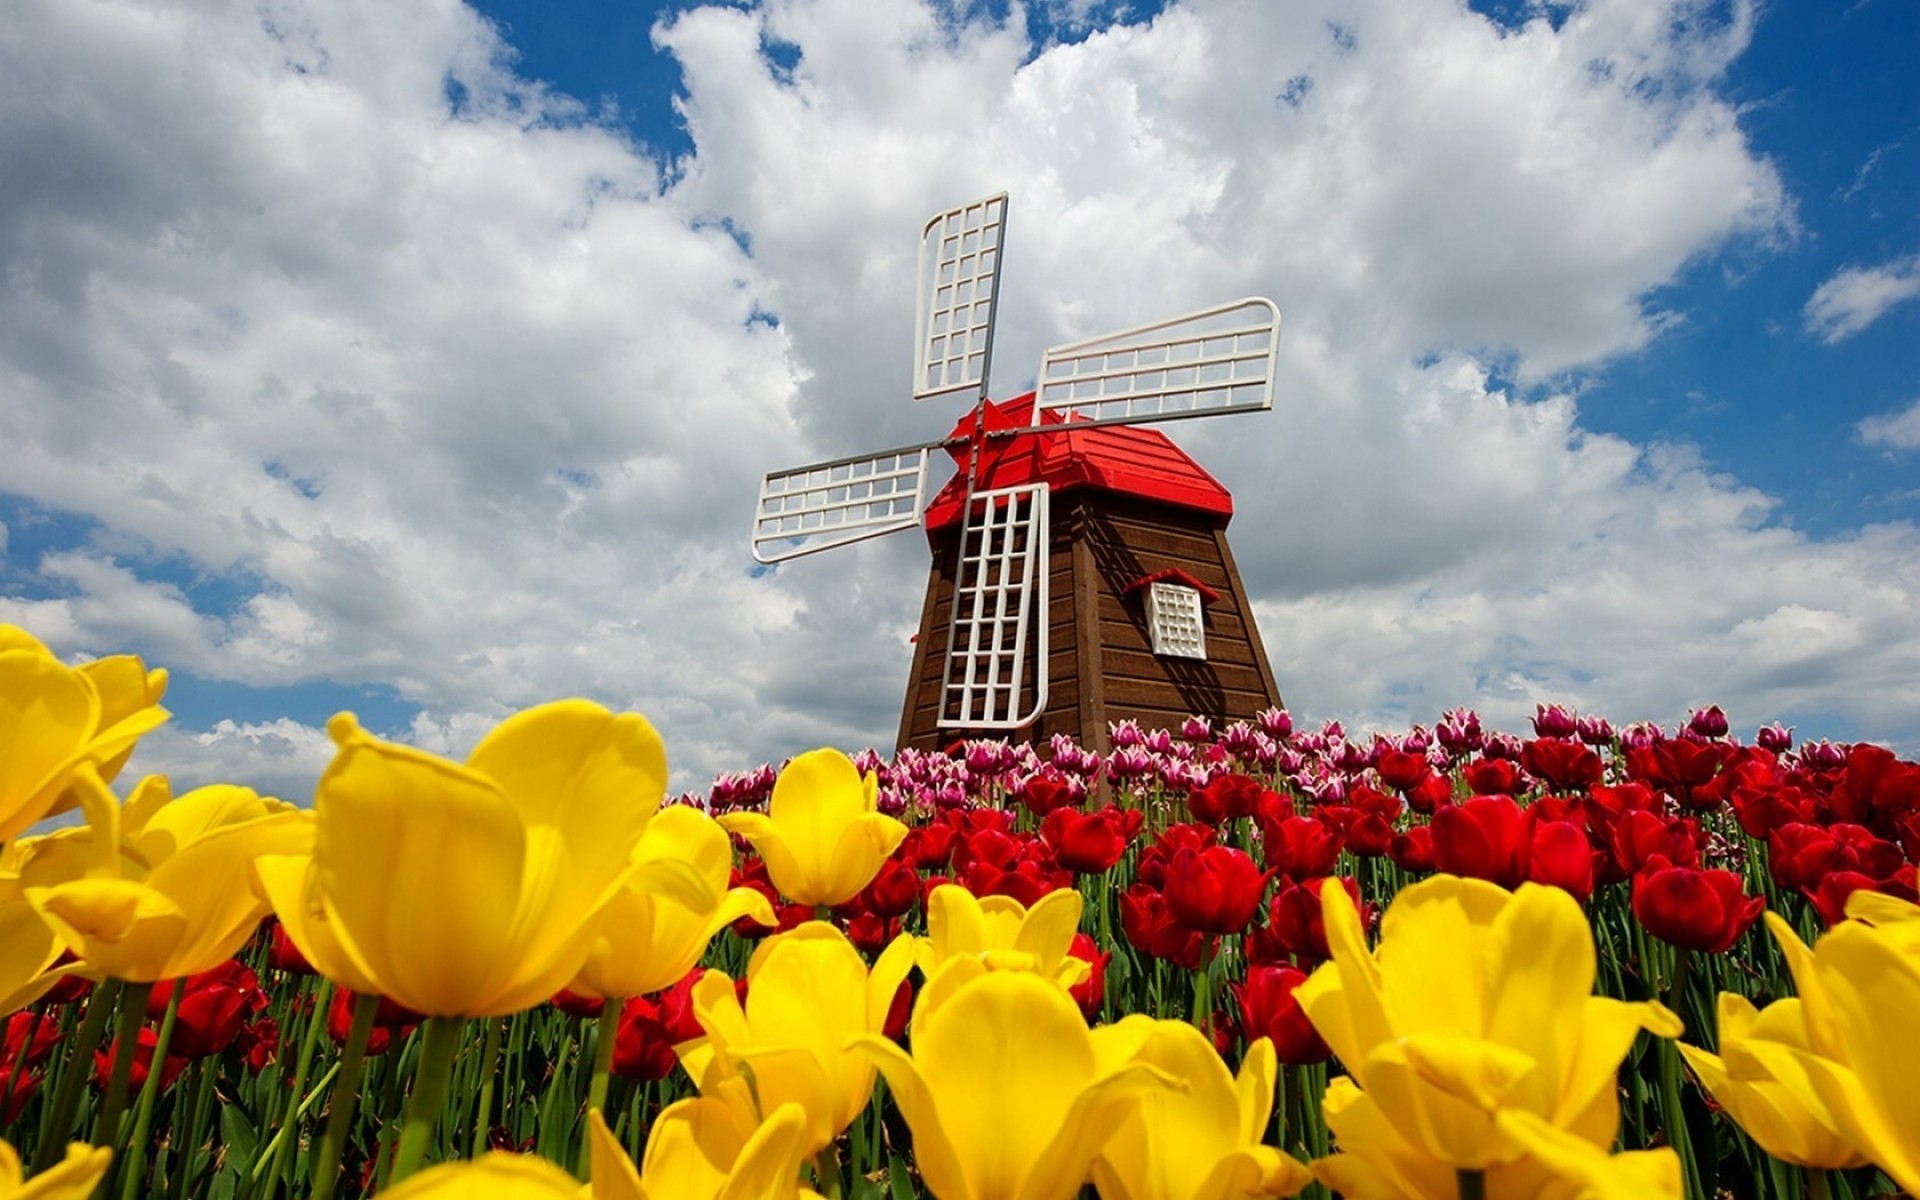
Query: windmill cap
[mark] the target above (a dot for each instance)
(1126, 459)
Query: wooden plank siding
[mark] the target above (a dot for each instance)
(1100, 666)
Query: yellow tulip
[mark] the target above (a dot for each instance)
(1477, 1000)
(1781, 1112)
(1376, 1163)
(55, 718)
(1003, 933)
(28, 948)
(155, 889)
(698, 1150)
(1860, 994)
(647, 942)
(821, 836)
(1004, 1090)
(73, 1179)
(695, 1151)
(808, 995)
(475, 889)
(495, 1175)
(1201, 1144)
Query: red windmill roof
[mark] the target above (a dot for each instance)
(1117, 458)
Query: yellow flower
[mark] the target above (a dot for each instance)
(1477, 1000)
(73, 1179)
(1781, 1112)
(1003, 933)
(698, 1150)
(1860, 996)
(647, 942)
(808, 995)
(475, 890)
(1201, 1144)
(1376, 1163)
(821, 835)
(54, 718)
(1004, 1090)
(695, 1151)
(155, 889)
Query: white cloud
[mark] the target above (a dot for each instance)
(472, 404)
(1896, 431)
(1856, 297)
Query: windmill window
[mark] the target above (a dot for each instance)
(1174, 621)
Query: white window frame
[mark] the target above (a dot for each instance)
(1176, 622)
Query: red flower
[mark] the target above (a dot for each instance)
(1565, 765)
(142, 1062)
(1151, 929)
(1300, 847)
(1563, 856)
(870, 933)
(15, 1051)
(1876, 781)
(893, 892)
(1493, 777)
(642, 1043)
(1693, 909)
(1225, 798)
(1800, 855)
(1090, 992)
(928, 847)
(1403, 770)
(1640, 836)
(1151, 869)
(1049, 790)
(1609, 802)
(1486, 837)
(1215, 890)
(260, 1044)
(388, 1019)
(1679, 766)
(1431, 794)
(1295, 930)
(1269, 1009)
(17, 1087)
(213, 1008)
(1412, 851)
(1090, 843)
(282, 954)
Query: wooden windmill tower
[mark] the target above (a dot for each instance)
(1081, 572)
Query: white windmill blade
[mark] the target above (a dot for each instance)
(1216, 360)
(959, 291)
(822, 505)
(999, 613)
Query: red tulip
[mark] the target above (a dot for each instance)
(1565, 765)
(1295, 931)
(15, 1051)
(1412, 851)
(1679, 766)
(388, 1019)
(1493, 777)
(642, 1044)
(1563, 856)
(1225, 798)
(1215, 890)
(1089, 843)
(1268, 1009)
(17, 1087)
(1403, 770)
(1300, 847)
(1151, 868)
(1640, 836)
(282, 954)
(1150, 928)
(893, 892)
(1091, 992)
(928, 847)
(1486, 837)
(213, 1007)
(144, 1045)
(1877, 781)
(1049, 790)
(1430, 794)
(1693, 909)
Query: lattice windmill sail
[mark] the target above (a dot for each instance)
(995, 674)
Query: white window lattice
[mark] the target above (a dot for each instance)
(1175, 622)
(830, 504)
(959, 284)
(999, 618)
(1216, 360)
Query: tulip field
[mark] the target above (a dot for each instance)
(1586, 960)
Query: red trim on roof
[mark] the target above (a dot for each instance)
(1174, 575)
(1118, 458)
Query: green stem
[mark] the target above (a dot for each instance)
(1472, 1184)
(1203, 991)
(1818, 1186)
(187, 1141)
(345, 1095)
(1675, 1117)
(439, 1044)
(58, 1126)
(320, 991)
(826, 1168)
(126, 1034)
(483, 1110)
(134, 1161)
(604, 1035)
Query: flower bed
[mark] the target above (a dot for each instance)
(1236, 962)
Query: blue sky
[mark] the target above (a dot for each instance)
(421, 358)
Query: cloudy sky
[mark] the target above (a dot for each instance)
(422, 359)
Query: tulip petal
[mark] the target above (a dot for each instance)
(292, 890)
(862, 846)
(1540, 982)
(47, 712)
(117, 925)
(1875, 990)
(612, 1172)
(422, 864)
(933, 1151)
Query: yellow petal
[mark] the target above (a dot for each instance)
(1874, 990)
(612, 1172)
(123, 928)
(292, 889)
(496, 1175)
(47, 715)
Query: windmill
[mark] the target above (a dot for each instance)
(1138, 549)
